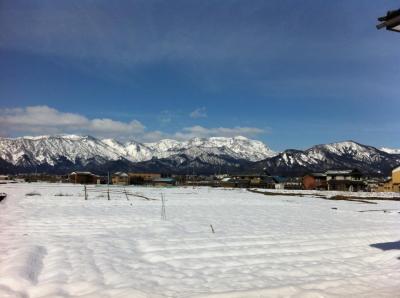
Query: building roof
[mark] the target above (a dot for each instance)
(82, 173)
(318, 174)
(166, 180)
(226, 179)
(279, 179)
(120, 174)
(341, 172)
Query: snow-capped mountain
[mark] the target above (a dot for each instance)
(62, 154)
(132, 150)
(390, 150)
(49, 150)
(341, 155)
(237, 147)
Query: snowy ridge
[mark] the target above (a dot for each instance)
(207, 155)
(390, 150)
(237, 147)
(348, 154)
(49, 149)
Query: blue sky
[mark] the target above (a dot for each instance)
(289, 73)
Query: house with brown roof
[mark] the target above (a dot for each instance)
(345, 180)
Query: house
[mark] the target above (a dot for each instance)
(293, 183)
(5, 177)
(279, 182)
(248, 180)
(164, 182)
(314, 181)
(393, 183)
(345, 180)
(120, 178)
(386, 186)
(234, 182)
(142, 178)
(374, 183)
(269, 182)
(396, 179)
(83, 178)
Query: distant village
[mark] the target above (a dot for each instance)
(351, 180)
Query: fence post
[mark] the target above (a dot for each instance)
(85, 191)
(163, 213)
(126, 195)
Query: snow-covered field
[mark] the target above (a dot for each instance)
(330, 194)
(57, 244)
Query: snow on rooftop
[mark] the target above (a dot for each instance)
(57, 244)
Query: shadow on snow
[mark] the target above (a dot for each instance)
(387, 245)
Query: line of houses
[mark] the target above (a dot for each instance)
(336, 180)
(122, 178)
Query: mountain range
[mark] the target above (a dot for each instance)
(64, 153)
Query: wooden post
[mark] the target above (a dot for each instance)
(163, 213)
(84, 186)
(126, 195)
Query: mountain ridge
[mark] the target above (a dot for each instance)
(63, 153)
(47, 149)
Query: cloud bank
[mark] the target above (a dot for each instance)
(40, 120)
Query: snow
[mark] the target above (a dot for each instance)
(263, 246)
(390, 150)
(330, 194)
(48, 149)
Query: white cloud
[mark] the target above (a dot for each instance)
(115, 127)
(203, 132)
(199, 113)
(46, 120)
(41, 120)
